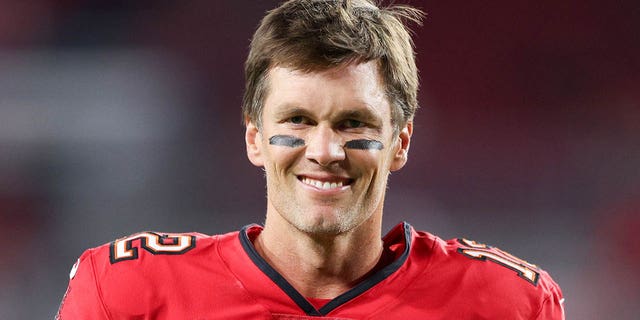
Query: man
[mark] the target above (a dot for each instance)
(329, 102)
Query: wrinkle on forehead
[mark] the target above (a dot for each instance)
(354, 88)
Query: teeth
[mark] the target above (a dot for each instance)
(322, 185)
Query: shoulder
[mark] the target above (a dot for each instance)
(146, 271)
(148, 260)
(151, 246)
(142, 252)
(464, 254)
(481, 272)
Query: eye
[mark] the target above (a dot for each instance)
(351, 123)
(297, 120)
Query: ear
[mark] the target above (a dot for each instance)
(253, 139)
(402, 149)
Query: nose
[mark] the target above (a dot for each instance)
(324, 146)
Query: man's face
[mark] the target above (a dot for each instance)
(327, 145)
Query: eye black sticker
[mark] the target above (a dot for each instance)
(364, 144)
(294, 142)
(286, 141)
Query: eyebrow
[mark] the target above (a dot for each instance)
(362, 114)
(287, 110)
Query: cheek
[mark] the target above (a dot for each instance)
(368, 161)
(281, 158)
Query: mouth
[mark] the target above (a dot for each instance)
(326, 183)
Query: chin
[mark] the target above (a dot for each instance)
(327, 225)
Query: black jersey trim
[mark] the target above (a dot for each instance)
(352, 293)
(376, 278)
(278, 279)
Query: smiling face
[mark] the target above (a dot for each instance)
(327, 145)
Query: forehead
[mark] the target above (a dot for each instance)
(357, 87)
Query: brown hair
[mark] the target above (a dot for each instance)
(314, 35)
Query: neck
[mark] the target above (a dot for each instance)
(321, 266)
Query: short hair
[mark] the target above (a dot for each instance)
(316, 35)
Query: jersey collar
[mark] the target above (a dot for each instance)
(401, 234)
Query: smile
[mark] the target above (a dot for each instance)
(325, 185)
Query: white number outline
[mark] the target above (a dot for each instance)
(123, 249)
(478, 251)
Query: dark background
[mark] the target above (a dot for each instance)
(121, 116)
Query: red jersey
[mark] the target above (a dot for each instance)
(196, 277)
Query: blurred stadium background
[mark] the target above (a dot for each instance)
(120, 116)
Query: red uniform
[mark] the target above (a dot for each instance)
(197, 277)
